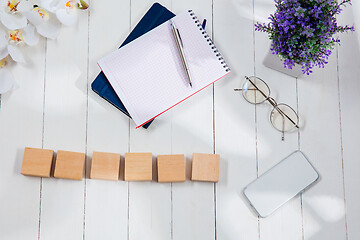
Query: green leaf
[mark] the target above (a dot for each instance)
(82, 5)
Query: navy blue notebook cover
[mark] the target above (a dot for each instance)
(155, 16)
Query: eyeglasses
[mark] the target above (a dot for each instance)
(282, 117)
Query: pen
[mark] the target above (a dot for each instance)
(180, 46)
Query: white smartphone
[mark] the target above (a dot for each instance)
(282, 182)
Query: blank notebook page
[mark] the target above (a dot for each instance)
(148, 76)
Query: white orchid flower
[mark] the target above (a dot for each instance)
(16, 39)
(41, 15)
(3, 45)
(11, 41)
(6, 78)
(25, 21)
(10, 16)
(66, 11)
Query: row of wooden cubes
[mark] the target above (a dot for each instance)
(106, 166)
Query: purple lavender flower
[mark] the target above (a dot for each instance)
(302, 31)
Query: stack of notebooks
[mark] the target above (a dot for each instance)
(145, 77)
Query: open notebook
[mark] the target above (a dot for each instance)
(147, 74)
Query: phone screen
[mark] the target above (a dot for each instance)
(281, 183)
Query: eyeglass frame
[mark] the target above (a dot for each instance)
(272, 102)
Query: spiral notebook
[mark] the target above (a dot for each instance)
(148, 76)
(156, 15)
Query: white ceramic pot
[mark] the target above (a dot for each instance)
(274, 62)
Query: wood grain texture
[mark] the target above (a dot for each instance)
(138, 167)
(65, 110)
(106, 202)
(21, 124)
(171, 168)
(286, 223)
(53, 107)
(193, 208)
(37, 162)
(105, 166)
(349, 84)
(150, 203)
(205, 167)
(320, 141)
(69, 165)
(235, 136)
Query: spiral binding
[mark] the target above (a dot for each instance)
(211, 44)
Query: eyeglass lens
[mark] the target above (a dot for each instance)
(283, 117)
(255, 90)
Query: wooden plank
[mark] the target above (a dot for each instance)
(285, 223)
(193, 209)
(149, 202)
(20, 126)
(323, 203)
(62, 209)
(108, 128)
(349, 72)
(235, 138)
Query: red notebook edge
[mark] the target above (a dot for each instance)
(176, 103)
(183, 100)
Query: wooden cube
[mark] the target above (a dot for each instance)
(37, 162)
(171, 168)
(69, 165)
(205, 167)
(138, 167)
(105, 166)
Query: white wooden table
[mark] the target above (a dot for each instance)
(54, 107)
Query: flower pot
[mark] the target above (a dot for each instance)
(274, 62)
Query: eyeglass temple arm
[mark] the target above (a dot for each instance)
(273, 103)
(284, 114)
(283, 129)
